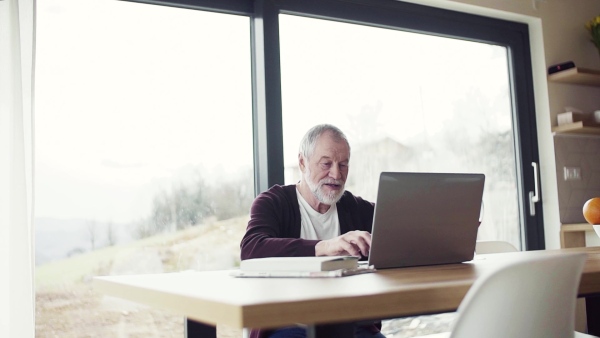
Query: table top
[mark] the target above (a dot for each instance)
(216, 297)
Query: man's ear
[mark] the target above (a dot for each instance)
(301, 162)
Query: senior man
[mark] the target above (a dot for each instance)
(315, 217)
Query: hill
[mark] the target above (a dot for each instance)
(68, 306)
(57, 239)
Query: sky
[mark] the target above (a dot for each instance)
(410, 80)
(129, 96)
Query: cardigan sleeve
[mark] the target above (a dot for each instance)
(274, 226)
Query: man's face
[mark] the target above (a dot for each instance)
(326, 170)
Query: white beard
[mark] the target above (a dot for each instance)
(316, 189)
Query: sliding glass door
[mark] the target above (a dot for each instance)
(416, 88)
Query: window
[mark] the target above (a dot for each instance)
(134, 170)
(403, 109)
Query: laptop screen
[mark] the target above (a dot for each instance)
(425, 218)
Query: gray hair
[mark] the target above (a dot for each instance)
(309, 141)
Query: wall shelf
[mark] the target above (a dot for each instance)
(581, 76)
(576, 128)
(573, 235)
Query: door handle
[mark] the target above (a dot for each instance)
(534, 196)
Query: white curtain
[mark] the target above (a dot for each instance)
(17, 30)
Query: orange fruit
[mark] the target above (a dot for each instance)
(591, 210)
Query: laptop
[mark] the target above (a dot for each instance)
(425, 219)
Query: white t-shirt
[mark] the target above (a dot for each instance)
(316, 225)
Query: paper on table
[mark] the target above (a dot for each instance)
(304, 274)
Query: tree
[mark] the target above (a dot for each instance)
(189, 205)
(92, 232)
(234, 197)
(143, 228)
(111, 235)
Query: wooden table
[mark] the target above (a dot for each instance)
(214, 297)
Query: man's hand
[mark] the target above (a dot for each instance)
(353, 243)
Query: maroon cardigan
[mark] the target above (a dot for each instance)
(274, 226)
(275, 223)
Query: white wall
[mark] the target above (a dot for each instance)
(557, 35)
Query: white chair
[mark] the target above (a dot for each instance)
(481, 247)
(532, 298)
(489, 247)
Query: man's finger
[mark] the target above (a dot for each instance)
(349, 247)
(363, 242)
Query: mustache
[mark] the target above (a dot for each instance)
(330, 181)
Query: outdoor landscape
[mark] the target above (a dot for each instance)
(68, 306)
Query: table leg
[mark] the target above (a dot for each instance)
(194, 329)
(592, 308)
(310, 331)
(345, 330)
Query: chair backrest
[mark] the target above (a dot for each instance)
(532, 298)
(489, 247)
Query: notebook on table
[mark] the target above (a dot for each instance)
(425, 219)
